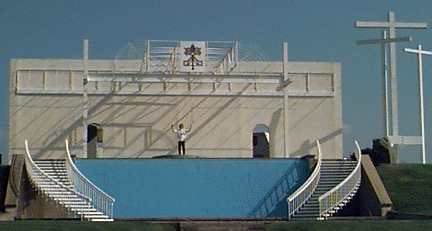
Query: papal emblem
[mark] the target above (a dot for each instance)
(193, 52)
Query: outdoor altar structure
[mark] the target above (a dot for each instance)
(124, 108)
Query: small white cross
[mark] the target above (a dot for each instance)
(420, 52)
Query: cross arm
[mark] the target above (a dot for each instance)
(371, 24)
(415, 51)
(411, 25)
(402, 25)
(375, 41)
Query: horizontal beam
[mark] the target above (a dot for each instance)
(270, 79)
(377, 41)
(411, 25)
(416, 51)
(371, 24)
(178, 93)
(401, 25)
(405, 140)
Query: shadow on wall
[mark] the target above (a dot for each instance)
(308, 145)
(274, 204)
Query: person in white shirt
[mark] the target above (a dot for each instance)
(181, 133)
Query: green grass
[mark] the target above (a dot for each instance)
(359, 225)
(46, 225)
(356, 225)
(409, 186)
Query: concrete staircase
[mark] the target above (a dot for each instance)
(70, 199)
(332, 173)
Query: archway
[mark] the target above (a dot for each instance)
(94, 140)
(261, 141)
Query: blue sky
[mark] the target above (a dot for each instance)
(315, 31)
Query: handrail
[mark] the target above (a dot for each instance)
(302, 194)
(31, 166)
(340, 192)
(101, 200)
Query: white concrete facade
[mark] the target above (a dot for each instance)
(46, 108)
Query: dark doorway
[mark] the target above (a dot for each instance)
(94, 139)
(261, 141)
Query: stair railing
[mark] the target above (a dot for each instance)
(301, 195)
(100, 200)
(345, 189)
(33, 170)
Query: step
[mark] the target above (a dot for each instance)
(46, 169)
(74, 202)
(300, 214)
(50, 161)
(58, 192)
(90, 213)
(334, 173)
(103, 220)
(83, 209)
(54, 187)
(339, 160)
(53, 183)
(46, 180)
(310, 209)
(332, 177)
(62, 176)
(95, 216)
(71, 199)
(84, 206)
(338, 164)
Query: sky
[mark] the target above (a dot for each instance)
(314, 30)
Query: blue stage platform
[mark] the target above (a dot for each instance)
(197, 188)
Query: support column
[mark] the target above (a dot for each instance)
(393, 76)
(285, 100)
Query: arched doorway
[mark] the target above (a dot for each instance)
(94, 140)
(261, 141)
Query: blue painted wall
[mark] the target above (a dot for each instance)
(197, 188)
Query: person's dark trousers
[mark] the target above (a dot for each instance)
(181, 147)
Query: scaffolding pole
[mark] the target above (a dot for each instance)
(85, 97)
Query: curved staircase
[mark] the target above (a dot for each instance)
(61, 181)
(331, 186)
(332, 173)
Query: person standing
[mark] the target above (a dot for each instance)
(181, 133)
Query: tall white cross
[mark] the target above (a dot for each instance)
(420, 54)
(384, 62)
(391, 25)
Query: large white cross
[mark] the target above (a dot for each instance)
(420, 54)
(384, 62)
(391, 25)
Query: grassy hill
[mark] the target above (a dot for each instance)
(354, 225)
(409, 186)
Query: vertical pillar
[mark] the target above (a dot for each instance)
(85, 97)
(393, 84)
(384, 66)
(285, 100)
(421, 106)
(393, 77)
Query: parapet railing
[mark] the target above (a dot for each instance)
(100, 200)
(36, 174)
(339, 195)
(302, 194)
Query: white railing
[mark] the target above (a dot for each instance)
(302, 194)
(100, 200)
(339, 195)
(33, 170)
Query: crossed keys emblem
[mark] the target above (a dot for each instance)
(192, 61)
